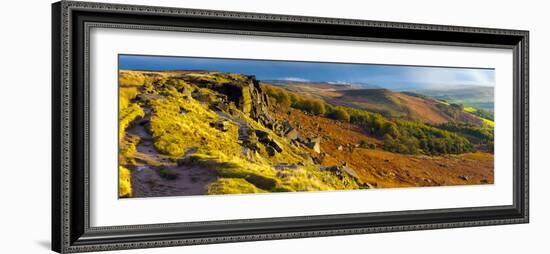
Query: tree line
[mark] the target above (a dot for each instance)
(399, 136)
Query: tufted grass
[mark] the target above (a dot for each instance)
(131, 78)
(126, 117)
(124, 183)
(178, 125)
(127, 150)
(233, 186)
(313, 179)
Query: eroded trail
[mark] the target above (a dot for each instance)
(157, 176)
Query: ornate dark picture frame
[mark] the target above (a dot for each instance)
(71, 22)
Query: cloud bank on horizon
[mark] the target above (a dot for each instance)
(396, 77)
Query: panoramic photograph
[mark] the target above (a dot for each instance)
(213, 126)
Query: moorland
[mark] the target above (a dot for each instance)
(203, 132)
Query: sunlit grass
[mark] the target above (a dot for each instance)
(443, 102)
(127, 150)
(127, 116)
(233, 186)
(265, 177)
(124, 183)
(178, 125)
(131, 78)
(470, 109)
(488, 123)
(313, 179)
(126, 94)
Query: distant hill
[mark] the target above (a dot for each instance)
(481, 97)
(397, 105)
(321, 85)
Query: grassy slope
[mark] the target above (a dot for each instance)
(182, 132)
(486, 122)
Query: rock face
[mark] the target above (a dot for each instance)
(259, 101)
(247, 96)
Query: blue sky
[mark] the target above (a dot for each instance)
(394, 77)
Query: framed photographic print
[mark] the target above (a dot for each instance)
(181, 126)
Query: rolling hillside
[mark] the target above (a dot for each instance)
(480, 97)
(199, 133)
(397, 105)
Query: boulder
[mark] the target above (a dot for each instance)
(286, 125)
(262, 135)
(465, 178)
(276, 146)
(350, 171)
(271, 151)
(292, 134)
(315, 144)
(333, 169)
(367, 186)
(342, 170)
(317, 160)
(222, 125)
(268, 142)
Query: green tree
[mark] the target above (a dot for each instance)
(391, 129)
(340, 114)
(318, 108)
(284, 99)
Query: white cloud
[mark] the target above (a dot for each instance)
(451, 76)
(295, 79)
(339, 82)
